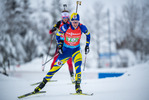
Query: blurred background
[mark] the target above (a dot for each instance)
(119, 31)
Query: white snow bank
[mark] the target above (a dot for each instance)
(7, 78)
(139, 71)
(133, 85)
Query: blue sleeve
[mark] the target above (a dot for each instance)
(62, 30)
(58, 37)
(85, 31)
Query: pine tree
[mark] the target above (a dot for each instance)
(133, 29)
(56, 11)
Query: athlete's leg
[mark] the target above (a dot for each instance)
(61, 60)
(70, 66)
(57, 65)
(77, 57)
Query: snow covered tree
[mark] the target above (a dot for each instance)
(69, 6)
(133, 29)
(56, 11)
(143, 30)
(96, 25)
(99, 16)
(9, 29)
(16, 26)
(24, 31)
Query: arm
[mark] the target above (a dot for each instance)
(85, 31)
(58, 36)
(87, 43)
(87, 38)
(62, 30)
(56, 26)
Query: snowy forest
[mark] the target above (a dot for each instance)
(119, 38)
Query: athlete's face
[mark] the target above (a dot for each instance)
(65, 19)
(75, 23)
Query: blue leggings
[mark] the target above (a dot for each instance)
(62, 59)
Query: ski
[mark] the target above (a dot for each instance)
(31, 93)
(87, 94)
(40, 82)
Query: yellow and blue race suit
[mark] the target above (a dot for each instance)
(71, 48)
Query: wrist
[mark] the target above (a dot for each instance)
(87, 46)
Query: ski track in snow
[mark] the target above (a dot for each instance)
(133, 85)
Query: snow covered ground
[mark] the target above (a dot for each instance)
(133, 85)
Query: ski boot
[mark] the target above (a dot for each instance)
(78, 88)
(41, 85)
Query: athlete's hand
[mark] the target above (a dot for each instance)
(60, 50)
(87, 49)
(50, 32)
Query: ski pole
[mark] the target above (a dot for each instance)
(48, 52)
(78, 2)
(85, 62)
(49, 60)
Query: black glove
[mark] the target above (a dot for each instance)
(87, 49)
(60, 50)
